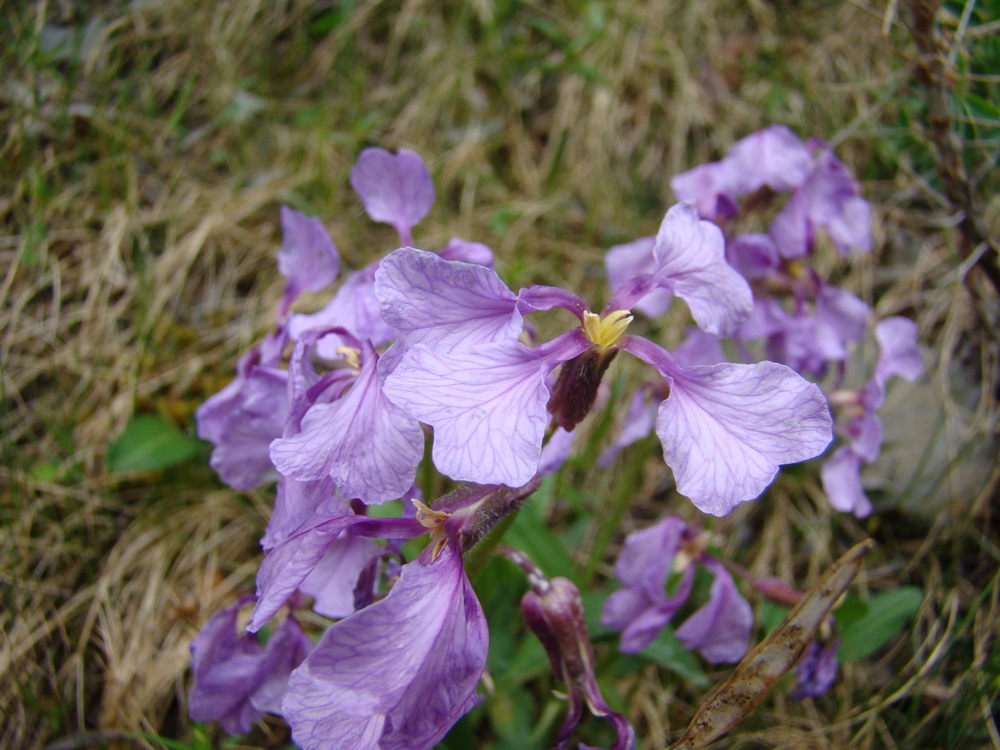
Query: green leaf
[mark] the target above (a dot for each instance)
(150, 442)
(888, 613)
(669, 652)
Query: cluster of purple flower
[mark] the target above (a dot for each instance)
(334, 406)
(798, 318)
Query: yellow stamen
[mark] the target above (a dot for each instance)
(351, 356)
(433, 520)
(605, 332)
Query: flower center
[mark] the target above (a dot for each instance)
(351, 356)
(605, 332)
(433, 521)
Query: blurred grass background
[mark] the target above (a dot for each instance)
(147, 147)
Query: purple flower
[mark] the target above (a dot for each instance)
(774, 157)
(857, 418)
(720, 629)
(243, 418)
(354, 308)
(239, 679)
(399, 673)
(488, 398)
(396, 189)
(308, 258)
(689, 261)
(828, 199)
(368, 445)
(816, 671)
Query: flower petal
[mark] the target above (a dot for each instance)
(899, 353)
(631, 260)
(720, 629)
(487, 406)
(238, 679)
(397, 674)
(690, 256)
(308, 258)
(841, 476)
(396, 189)
(442, 304)
(727, 428)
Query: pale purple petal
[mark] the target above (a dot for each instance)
(713, 187)
(487, 406)
(774, 156)
(753, 255)
(396, 189)
(467, 252)
(841, 476)
(397, 674)
(237, 678)
(791, 230)
(308, 258)
(442, 304)
(699, 348)
(899, 353)
(640, 621)
(368, 445)
(355, 308)
(628, 261)
(645, 559)
(840, 317)
(637, 423)
(720, 629)
(242, 420)
(332, 582)
(690, 255)
(556, 451)
(296, 502)
(850, 228)
(642, 607)
(727, 428)
(288, 563)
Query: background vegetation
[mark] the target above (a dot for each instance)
(147, 147)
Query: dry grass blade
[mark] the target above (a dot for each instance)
(773, 657)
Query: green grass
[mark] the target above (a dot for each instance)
(146, 150)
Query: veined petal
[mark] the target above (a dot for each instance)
(487, 405)
(367, 444)
(242, 420)
(397, 674)
(289, 562)
(332, 582)
(396, 189)
(467, 252)
(442, 304)
(690, 256)
(727, 428)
